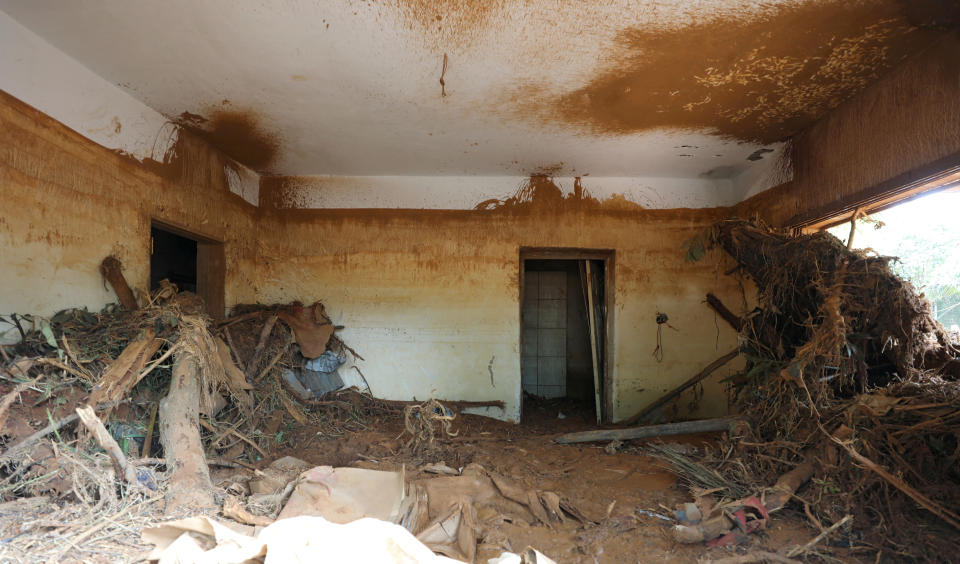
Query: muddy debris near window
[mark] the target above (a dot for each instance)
(851, 387)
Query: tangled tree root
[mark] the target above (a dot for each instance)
(422, 422)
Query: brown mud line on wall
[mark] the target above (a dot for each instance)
(170, 165)
(536, 193)
(187, 159)
(541, 192)
(760, 79)
(238, 134)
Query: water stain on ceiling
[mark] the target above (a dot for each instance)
(351, 87)
(237, 133)
(758, 79)
(450, 22)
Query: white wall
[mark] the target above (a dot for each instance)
(465, 192)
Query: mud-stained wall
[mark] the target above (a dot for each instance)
(59, 86)
(68, 202)
(902, 123)
(431, 298)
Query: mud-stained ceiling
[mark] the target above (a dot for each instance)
(672, 88)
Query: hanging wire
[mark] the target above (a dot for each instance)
(662, 320)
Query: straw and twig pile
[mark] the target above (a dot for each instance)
(264, 348)
(847, 366)
(121, 361)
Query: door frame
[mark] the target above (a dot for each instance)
(941, 174)
(608, 256)
(211, 266)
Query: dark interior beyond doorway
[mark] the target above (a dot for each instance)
(557, 360)
(173, 257)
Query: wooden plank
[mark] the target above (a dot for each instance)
(700, 376)
(127, 370)
(456, 404)
(211, 277)
(112, 271)
(107, 443)
(649, 431)
(723, 311)
(592, 322)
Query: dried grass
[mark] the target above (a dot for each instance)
(721, 473)
(98, 520)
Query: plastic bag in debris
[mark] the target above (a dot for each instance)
(308, 384)
(130, 436)
(320, 374)
(328, 362)
(447, 412)
(296, 386)
(202, 540)
(320, 383)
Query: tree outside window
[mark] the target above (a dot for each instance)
(925, 236)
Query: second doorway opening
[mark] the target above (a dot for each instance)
(563, 342)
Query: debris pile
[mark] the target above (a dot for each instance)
(84, 412)
(273, 348)
(116, 418)
(103, 411)
(122, 361)
(851, 388)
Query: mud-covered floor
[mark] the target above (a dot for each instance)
(613, 489)
(620, 490)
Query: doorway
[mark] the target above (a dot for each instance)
(564, 335)
(173, 258)
(193, 262)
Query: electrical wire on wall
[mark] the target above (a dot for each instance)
(662, 320)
